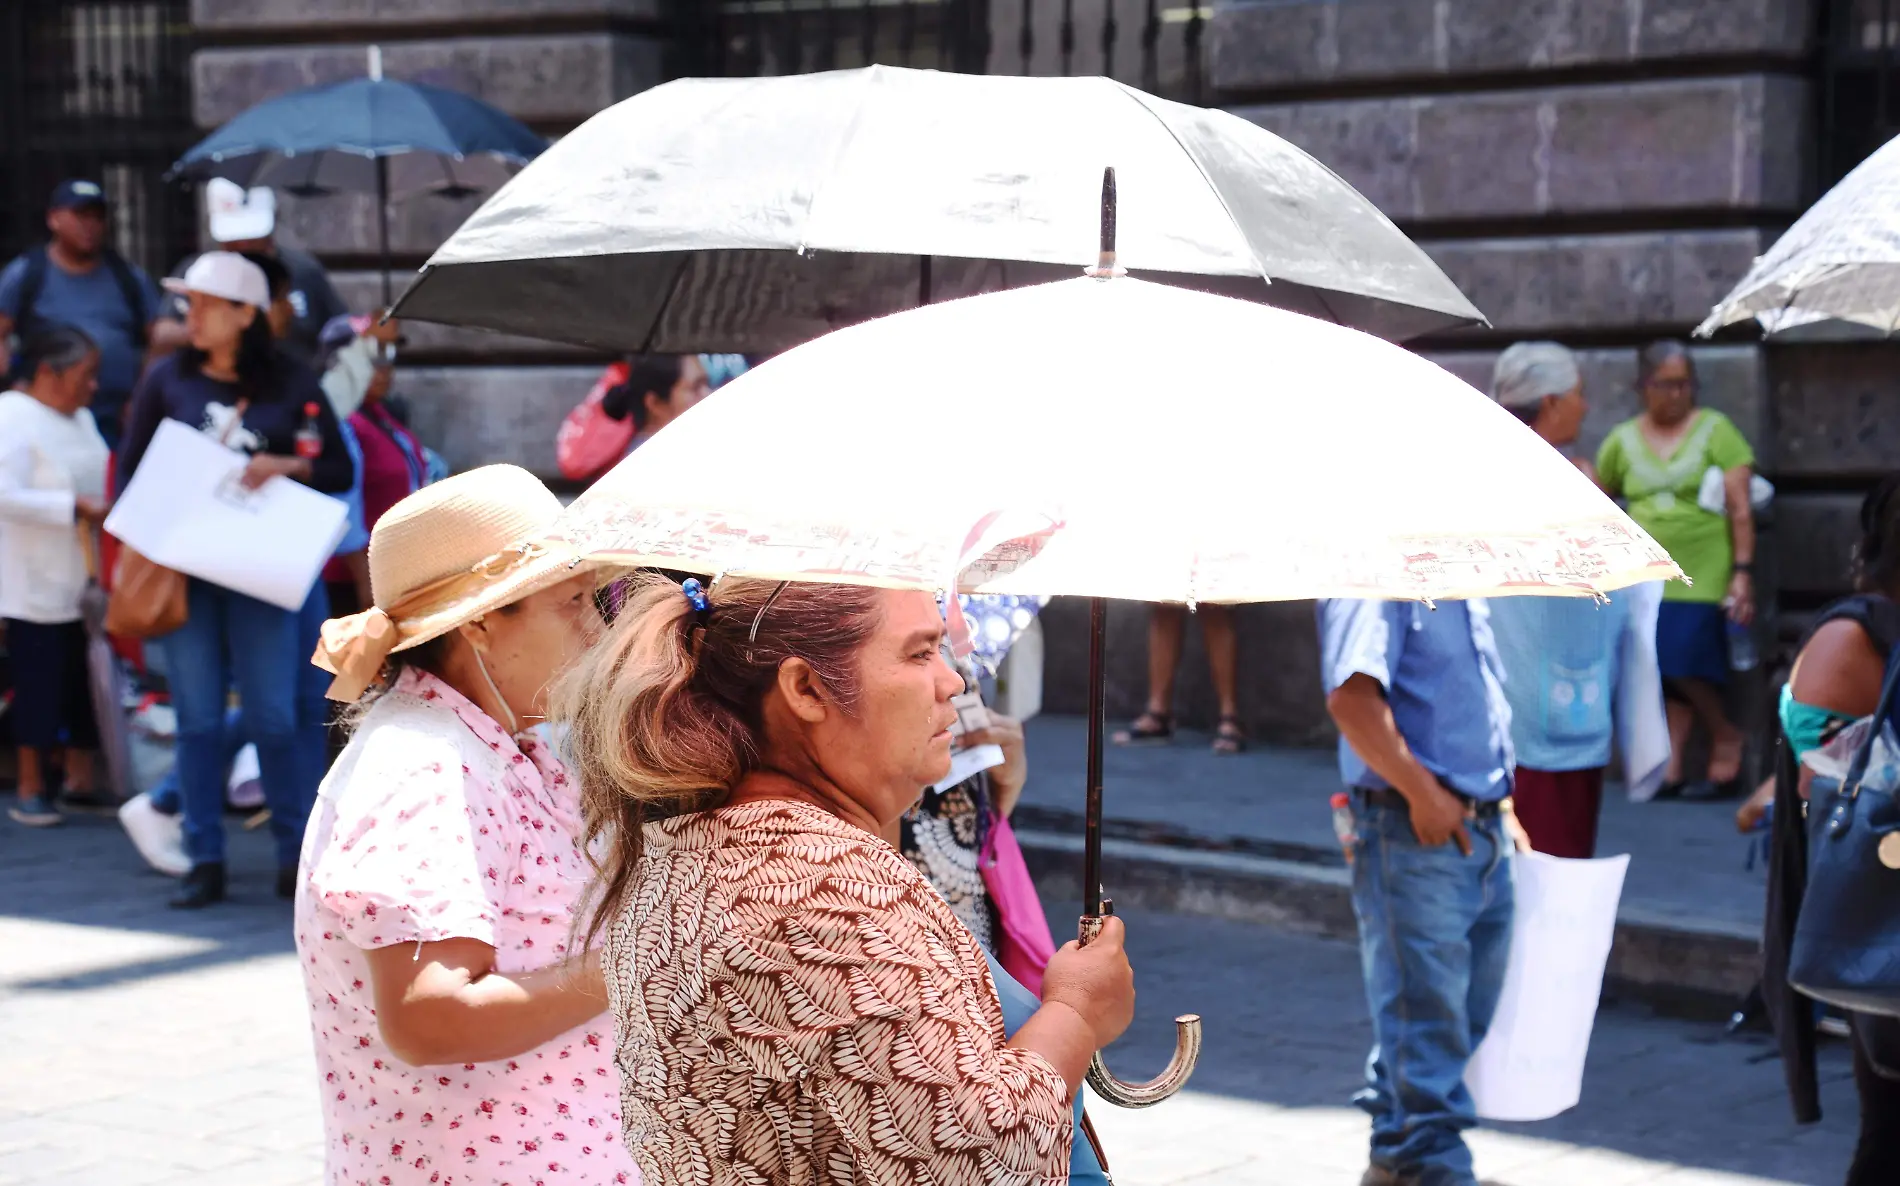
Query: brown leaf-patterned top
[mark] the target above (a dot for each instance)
(795, 1005)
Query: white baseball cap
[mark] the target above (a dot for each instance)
(225, 274)
(237, 214)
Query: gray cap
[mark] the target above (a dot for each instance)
(1529, 371)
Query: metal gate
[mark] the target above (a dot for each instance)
(1152, 44)
(1860, 84)
(99, 90)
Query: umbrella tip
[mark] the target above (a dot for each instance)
(1105, 267)
(376, 63)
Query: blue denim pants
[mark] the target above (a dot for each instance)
(1434, 937)
(313, 717)
(229, 640)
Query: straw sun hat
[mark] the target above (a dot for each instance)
(443, 556)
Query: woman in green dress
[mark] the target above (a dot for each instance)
(1658, 461)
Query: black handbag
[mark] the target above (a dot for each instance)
(1847, 936)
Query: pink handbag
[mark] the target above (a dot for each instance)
(1024, 946)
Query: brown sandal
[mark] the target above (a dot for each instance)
(1150, 728)
(1229, 738)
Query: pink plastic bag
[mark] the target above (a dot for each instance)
(1024, 946)
(590, 441)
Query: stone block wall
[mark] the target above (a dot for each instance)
(477, 396)
(1595, 171)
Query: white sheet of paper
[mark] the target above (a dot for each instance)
(185, 509)
(1530, 1064)
(968, 763)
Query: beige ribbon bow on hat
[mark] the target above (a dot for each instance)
(354, 650)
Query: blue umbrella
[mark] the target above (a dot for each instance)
(368, 135)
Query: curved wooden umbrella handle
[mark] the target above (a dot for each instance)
(1187, 1049)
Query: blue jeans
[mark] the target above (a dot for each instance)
(230, 639)
(169, 795)
(1434, 937)
(313, 715)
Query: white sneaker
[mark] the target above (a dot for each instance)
(160, 838)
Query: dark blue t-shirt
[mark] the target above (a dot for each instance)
(91, 301)
(173, 390)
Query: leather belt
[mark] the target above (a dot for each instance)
(1391, 799)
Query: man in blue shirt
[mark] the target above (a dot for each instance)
(78, 280)
(1425, 746)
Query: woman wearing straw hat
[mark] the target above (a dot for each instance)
(459, 1032)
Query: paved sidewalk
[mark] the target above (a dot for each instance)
(143, 1044)
(149, 1048)
(1687, 868)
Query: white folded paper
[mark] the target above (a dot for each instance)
(186, 509)
(1530, 1064)
(968, 763)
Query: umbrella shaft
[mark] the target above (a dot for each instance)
(1092, 819)
(382, 219)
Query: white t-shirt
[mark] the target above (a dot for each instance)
(47, 461)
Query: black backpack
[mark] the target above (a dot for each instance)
(35, 279)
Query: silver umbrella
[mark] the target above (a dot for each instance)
(1841, 259)
(751, 214)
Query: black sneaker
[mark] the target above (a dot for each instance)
(204, 886)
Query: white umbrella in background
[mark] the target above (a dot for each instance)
(1146, 442)
(1841, 259)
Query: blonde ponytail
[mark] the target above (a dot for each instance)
(665, 714)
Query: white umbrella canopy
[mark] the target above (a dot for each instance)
(1125, 439)
(1841, 259)
(752, 214)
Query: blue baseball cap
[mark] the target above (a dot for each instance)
(77, 194)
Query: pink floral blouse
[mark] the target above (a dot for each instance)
(435, 824)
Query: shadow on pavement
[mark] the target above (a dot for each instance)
(85, 874)
(1286, 1025)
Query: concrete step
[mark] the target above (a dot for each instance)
(1699, 965)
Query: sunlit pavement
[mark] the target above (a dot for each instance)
(143, 1046)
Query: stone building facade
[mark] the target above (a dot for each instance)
(1596, 171)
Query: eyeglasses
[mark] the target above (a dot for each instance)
(1669, 385)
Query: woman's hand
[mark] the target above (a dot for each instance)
(90, 510)
(1740, 601)
(1095, 981)
(1006, 781)
(1748, 815)
(262, 467)
(1514, 828)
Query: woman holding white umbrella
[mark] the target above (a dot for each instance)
(775, 966)
(791, 504)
